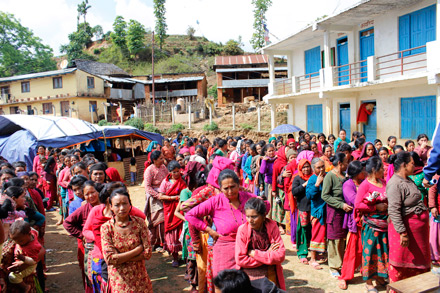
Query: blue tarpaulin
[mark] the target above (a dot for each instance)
(21, 134)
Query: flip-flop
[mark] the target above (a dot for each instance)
(304, 261)
(315, 265)
(371, 290)
(335, 274)
(342, 285)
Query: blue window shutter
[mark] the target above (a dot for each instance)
(404, 26)
(312, 60)
(418, 115)
(430, 23)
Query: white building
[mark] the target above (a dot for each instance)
(383, 52)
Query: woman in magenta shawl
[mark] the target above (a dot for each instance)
(227, 213)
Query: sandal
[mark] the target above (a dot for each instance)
(372, 289)
(342, 285)
(335, 274)
(315, 265)
(382, 283)
(304, 261)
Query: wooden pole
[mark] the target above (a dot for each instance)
(153, 90)
(132, 149)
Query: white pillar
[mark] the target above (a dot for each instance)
(272, 116)
(154, 114)
(289, 65)
(189, 115)
(210, 115)
(271, 74)
(233, 116)
(55, 111)
(259, 117)
(327, 50)
(371, 68)
(328, 109)
(173, 115)
(120, 112)
(290, 116)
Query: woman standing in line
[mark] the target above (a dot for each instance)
(126, 246)
(336, 209)
(408, 232)
(371, 203)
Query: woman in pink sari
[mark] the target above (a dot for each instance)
(227, 213)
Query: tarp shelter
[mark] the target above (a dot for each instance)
(126, 131)
(20, 135)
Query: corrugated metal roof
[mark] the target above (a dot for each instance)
(37, 75)
(167, 80)
(248, 69)
(240, 60)
(117, 79)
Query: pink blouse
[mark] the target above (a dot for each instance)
(153, 177)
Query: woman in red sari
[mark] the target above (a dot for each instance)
(169, 194)
(276, 197)
(408, 231)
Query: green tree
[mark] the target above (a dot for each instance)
(233, 47)
(20, 51)
(161, 25)
(98, 32)
(77, 42)
(135, 37)
(190, 31)
(260, 9)
(119, 33)
(82, 10)
(212, 92)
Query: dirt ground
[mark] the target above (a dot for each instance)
(64, 274)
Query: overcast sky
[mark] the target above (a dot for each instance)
(53, 20)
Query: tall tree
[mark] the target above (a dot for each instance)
(82, 9)
(135, 37)
(260, 9)
(161, 25)
(119, 33)
(20, 51)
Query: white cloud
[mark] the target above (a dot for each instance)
(53, 20)
(137, 10)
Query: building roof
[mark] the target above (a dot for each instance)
(98, 68)
(119, 79)
(240, 60)
(37, 75)
(249, 69)
(169, 80)
(343, 20)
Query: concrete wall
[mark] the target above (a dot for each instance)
(80, 108)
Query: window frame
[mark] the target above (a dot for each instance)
(25, 86)
(57, 82)
(90, 82)
(45, 105)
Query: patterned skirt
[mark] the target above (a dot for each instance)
(318, 242)
(277, 211)
(375, 253)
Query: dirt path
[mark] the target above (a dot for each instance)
(64, 274)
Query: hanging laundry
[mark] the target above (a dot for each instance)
(364, 111)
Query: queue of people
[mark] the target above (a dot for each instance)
(222, 208)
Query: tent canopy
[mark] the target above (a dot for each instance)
(21, 134)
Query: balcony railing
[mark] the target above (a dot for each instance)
(283, 86)
(398, 63)
(308, 81)
(351, 73)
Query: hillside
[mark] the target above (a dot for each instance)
(179, 54)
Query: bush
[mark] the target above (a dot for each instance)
(246, 126)
(210, 127)
(103, 122)
(96, 51)
(135, 122)
(176, 127)
(151, 128)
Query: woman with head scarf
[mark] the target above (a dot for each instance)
(303, 230)
(277, 196)
(368, 151)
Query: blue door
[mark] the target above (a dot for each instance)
(314, 118)
(366, 50)
(344, 118)
(343, 71)
(370, 129)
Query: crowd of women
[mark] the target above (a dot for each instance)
(221, 208)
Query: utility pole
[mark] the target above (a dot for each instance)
(154, 95)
